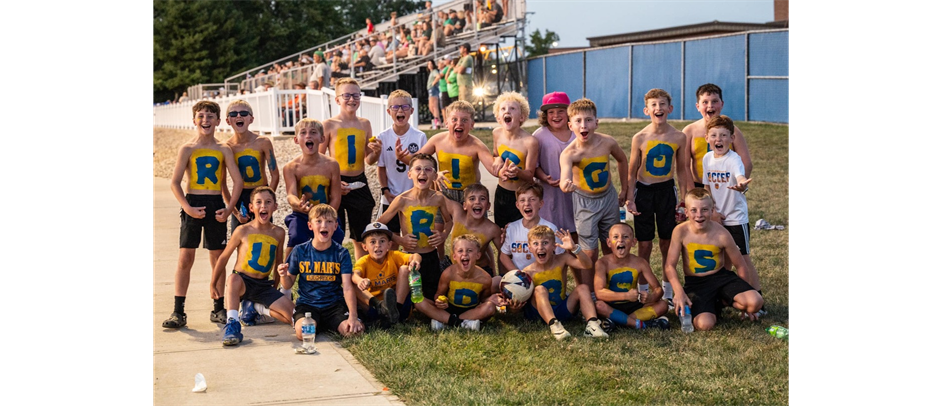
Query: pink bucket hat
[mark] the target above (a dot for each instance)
(554, 100)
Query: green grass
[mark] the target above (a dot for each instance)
(513, 361)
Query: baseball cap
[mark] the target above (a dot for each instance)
(554, 100)
(376, 227)
(319, 53)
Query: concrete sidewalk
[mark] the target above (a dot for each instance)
(263, 370)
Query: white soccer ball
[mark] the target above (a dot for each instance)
(516, 286)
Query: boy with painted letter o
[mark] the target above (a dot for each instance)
(255, 157)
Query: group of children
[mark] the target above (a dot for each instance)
(431, 193)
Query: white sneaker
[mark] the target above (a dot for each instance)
(559, 331)
(437, 325)
(594, 329)
(471, 324)
(264, 314)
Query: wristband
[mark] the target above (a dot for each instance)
(383, 189)
(576, 250)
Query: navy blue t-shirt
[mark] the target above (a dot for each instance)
(320, 284)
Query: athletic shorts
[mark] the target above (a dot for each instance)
(560, 311)
(594, 216)
(299, 232)
(431, 272)
(706, 291)
(626, 307)
(434, 92)
(213, 232)
(657, 204)
(328, 318)
(457, 310)
(357, 206)
(392, 225)
(740, 235)
(259, 290)
(698, 184)
(505, 207)
(454, 194)
(243, 201)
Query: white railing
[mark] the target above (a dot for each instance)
(276, 111)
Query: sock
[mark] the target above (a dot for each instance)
(286, 292)
(668, 291)
(217, 305)
(642, 287)
(262, 309)
(639, 324)
(619, 317)
(375, 303)
(590, 320)
(178, 304)
(453, 320)
(232, 314)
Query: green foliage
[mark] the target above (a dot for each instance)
(540, 44)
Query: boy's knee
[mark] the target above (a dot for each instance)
(583, 290)
(704, 321)
(602, 308)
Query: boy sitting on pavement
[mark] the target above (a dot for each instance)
(258, 245)
(550, 276)
(705, 244)
(616, 284)
(252, 153)
(383, 272)
(461, 297)
(522, 150)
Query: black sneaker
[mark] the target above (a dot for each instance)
(391, 308)
(660, 322)
(218, 316)
(608, 325)
(176, 320)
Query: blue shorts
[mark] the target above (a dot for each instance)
(299, 232)
(560, 311)
(434, 92)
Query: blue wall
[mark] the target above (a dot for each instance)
(611, 94)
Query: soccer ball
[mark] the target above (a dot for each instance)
(516, 286)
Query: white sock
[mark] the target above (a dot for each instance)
(232, 314)
(668, 290)
(262, 309)
(643, 288)
(286, 292)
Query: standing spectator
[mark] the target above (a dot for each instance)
(444, 69)
(433, 93)
(183, 98)
(369, 26)
(464, 68)
(321, 72)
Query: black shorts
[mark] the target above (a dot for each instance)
(505, 207)
(393, 224)
(626, 307)
(212, 231)
(358, 206)
(260, 290)
(243, 201)
(328, 318)
(740, 235)
(457, 310)
(698, 184)
(657, 204)
(431, 272)
(706, 291)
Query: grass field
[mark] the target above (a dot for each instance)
(513, 361)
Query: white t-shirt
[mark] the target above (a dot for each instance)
(321, 70)
(397, 177)
(516, 243)
(718, 175)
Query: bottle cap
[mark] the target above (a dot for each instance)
(307, 314)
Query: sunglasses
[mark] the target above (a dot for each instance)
(347, 96)
(242, 113)
(403, 107)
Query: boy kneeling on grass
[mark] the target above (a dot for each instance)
(383, 272)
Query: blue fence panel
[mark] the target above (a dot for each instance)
(768, 100)
(535, 85)
(655, 66)
(564, 74)
(768, 54)
(606, 83)
(719, 61)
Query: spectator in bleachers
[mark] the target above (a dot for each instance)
(402, 49)
(449, 23)
(293, 109)
(489, 13)
(392, 19)
(321, 72)
(363, 62)
(183, 98)
(376, 53)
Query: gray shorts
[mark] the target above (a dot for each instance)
(594, 216)
(454, 194)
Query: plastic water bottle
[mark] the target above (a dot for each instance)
(415, 283)
(622, 213)
(778, 332)
(686, 321)
(308, 330)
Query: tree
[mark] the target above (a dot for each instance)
(540, 44)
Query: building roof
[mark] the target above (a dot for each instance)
(683, 31)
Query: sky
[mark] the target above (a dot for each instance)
(574, 21)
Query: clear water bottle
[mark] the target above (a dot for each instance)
(778, 332)
(308, 330)
(415, 284)
(622, 214)
(686, 321)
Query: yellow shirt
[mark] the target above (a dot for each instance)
(384, 275)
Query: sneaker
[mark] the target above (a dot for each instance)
(594, 329)
(660, 322)
(389, 306)
(247, 314)
(233, 335)
(559, 331)
(471, 324)
(670, 305)
(176, 320)
(608, 325)
(437, 325)
(761, 312)
(218, 316)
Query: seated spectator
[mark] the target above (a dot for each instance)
(376, 53)
(490, 13)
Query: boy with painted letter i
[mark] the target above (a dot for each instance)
(347, 137)
(326, 287)
(423, 217)
(258, 245)
(550, 276)
(584, 172)
(658, 153)
(396, 143)
(463, 293)
(383, 272)
(516, 149)
(705, 244)
(253, 153)
(205, 161)
(710, 104)
(471, 218)
(616, 285)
